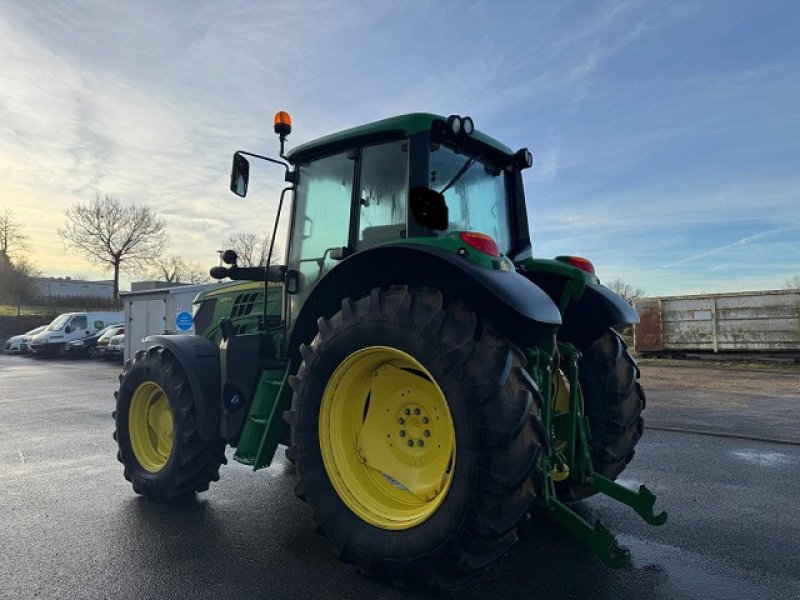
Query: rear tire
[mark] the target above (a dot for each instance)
(497, 437)
(613, 402)
(156, 430)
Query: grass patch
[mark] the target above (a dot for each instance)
(7, 310)
(27, 310)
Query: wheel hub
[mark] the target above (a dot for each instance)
(150, 426)
(415, 425)
(387, 437)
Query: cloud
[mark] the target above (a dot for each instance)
(547, 164)
(737, 244)
(642, 157)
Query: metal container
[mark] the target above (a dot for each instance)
(159, 311)
(735, 322)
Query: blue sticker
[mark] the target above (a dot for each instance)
(184, 321)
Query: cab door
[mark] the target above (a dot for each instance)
(355, 200)
(321, 223)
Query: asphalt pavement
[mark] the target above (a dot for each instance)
(71, 527)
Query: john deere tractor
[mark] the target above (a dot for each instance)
(434, 383)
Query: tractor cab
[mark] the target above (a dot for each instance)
(413, 178)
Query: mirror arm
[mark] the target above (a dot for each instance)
(285, 165)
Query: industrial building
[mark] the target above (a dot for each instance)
(67, 287)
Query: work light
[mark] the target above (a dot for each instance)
(454, 124)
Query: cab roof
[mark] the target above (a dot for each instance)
(402, 125)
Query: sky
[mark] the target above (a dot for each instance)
(665, 135)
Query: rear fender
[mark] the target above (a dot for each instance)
(597, 310)
(199, 358)
(510, 301)
(588, 308)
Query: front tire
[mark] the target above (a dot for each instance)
(398, 361)
(156, 430)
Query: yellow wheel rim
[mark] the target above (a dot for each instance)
(150, 426)
(387, 438)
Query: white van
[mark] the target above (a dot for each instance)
(71, 326)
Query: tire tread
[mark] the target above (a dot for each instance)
(502, 398)
(614, 401)
(194, 462)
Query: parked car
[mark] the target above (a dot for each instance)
(87, 346)
(68, 327)
(101, 346)
(116, 347)
(18, 344)
(25, 344)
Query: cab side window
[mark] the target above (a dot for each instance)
(383, 193)
(321, 219)
(78, 323)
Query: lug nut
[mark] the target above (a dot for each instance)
(425, 420)
(420, 443)
(410, 443)
(401, 420)
(406, 412)
(402, 433)
(416, 411)
(427, 433)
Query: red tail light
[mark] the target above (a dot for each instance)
(584, 264)
(481, 242)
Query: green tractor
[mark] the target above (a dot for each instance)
(434, 383)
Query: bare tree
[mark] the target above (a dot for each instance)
(12, 240)
(174, 269)
(251, 248)
(17, 283)
(116, 236)
(627, 291)
(792, 283)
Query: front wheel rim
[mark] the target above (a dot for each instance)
(150, 426)
(387, 438)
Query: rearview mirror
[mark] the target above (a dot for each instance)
(429, 208)
(240, 175)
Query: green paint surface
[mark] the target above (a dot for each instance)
(260, 425)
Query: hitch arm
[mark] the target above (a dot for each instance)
(579, 463)
(642, 501)
(597, 537)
